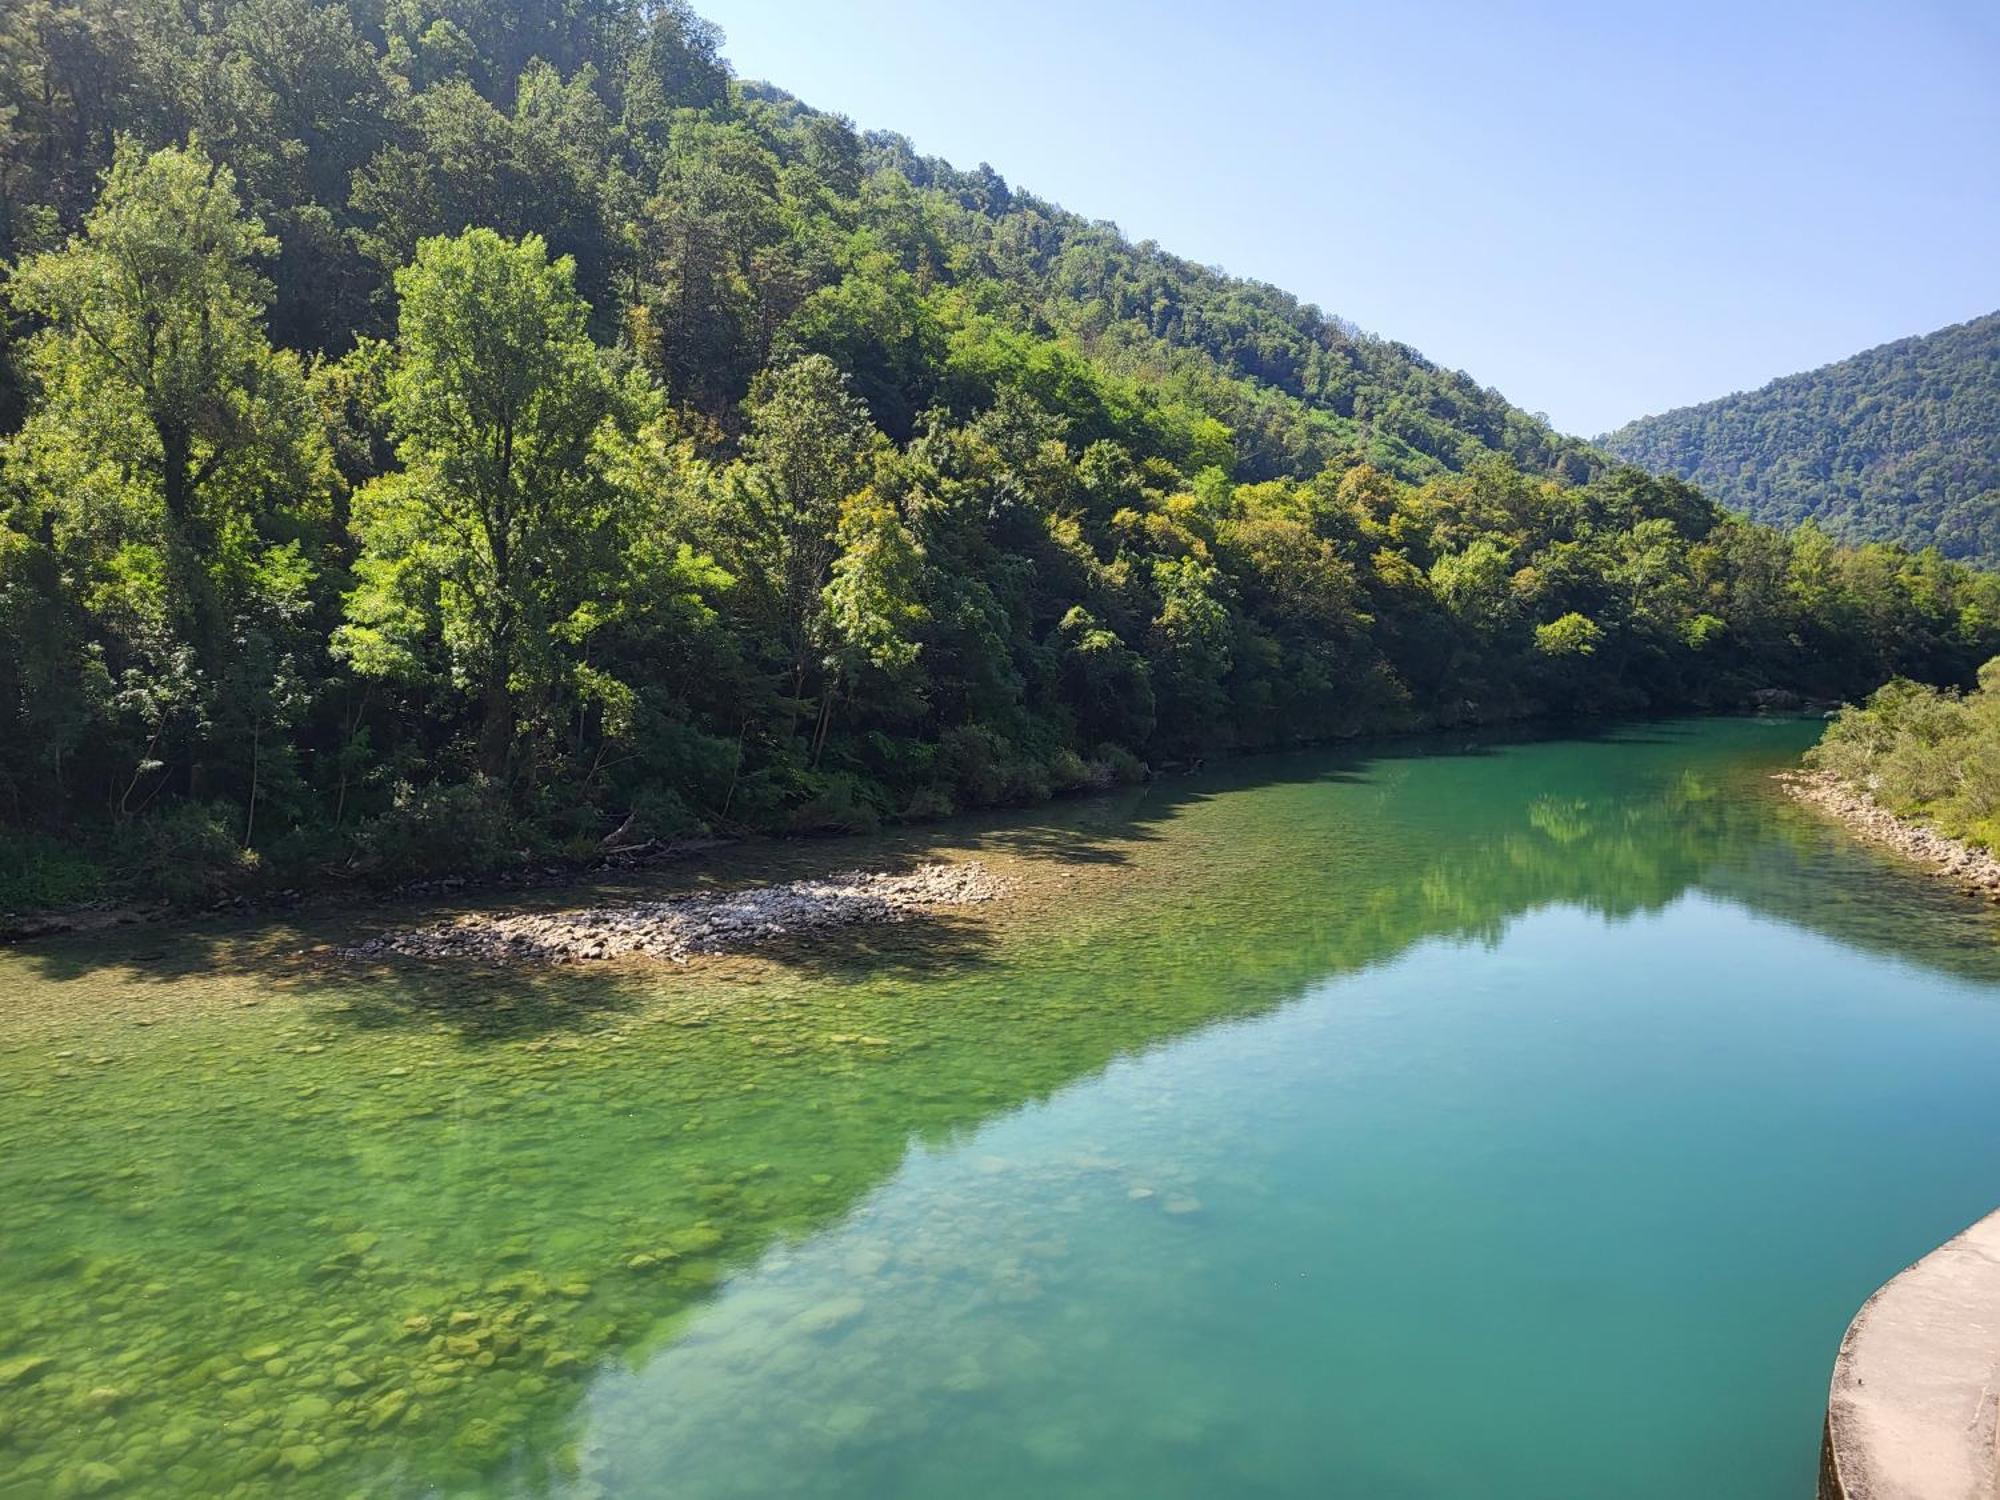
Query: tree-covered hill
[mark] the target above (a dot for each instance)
(1901, 443)
(432, 430)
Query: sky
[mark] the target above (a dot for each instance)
(1604, 210)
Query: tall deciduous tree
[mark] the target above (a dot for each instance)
(874, 601)
(481, 558)
(717, 285)
(156, 363)
(174, 461)
(811, 446)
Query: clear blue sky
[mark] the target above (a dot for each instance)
(1603, 209)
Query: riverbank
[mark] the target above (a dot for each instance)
(1975, 872)
(100, 915)
(295, 888)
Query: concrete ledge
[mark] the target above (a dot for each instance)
(1916, 1386)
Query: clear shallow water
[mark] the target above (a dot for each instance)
(1507, 1120)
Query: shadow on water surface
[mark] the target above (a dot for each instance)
(1622, 848)
(616, 1140)
(1094, 829)
(486, 1003)
(499, 1004)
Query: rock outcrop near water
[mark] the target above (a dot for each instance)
(1974, 871)
(683, 926)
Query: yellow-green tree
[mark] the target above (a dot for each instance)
(174, 467)
(486, 558)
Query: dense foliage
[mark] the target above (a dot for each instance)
(443, 428)
(1901, 443)
(1925, 752)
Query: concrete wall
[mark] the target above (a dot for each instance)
(1914, 1411)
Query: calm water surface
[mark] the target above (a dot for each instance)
(1513, 1120)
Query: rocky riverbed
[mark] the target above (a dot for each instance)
(681, 927)
(1974, 871)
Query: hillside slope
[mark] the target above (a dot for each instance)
(441, 430)
(1900, 443)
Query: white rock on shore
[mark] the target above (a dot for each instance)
(682, 926)
(1974, 871)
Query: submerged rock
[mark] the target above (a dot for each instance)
(696, 1239)
(89, 1479)
(848, 1421)
(23, 1371)
(827, 1316)
(683, 926)
(388, 1409)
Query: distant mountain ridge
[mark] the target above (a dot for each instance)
(1898, 443)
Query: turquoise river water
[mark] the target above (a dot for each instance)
(1481, 1118)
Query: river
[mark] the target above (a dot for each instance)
(1437, 1119)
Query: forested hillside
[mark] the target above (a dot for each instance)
(437, 431)
(1901, 443)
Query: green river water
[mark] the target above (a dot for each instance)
(1425, 1120)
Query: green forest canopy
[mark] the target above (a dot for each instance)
(437, 431)
(1900, 443)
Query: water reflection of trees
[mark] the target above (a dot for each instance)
(609, 1118)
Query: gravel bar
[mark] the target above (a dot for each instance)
(681, 927)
